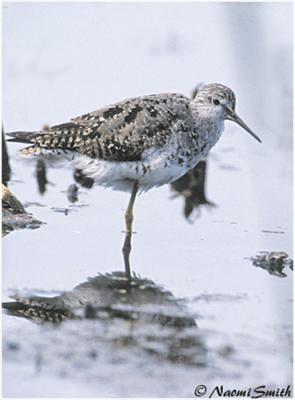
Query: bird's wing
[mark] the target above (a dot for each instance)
(122, 131)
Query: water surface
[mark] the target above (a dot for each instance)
(242, 314)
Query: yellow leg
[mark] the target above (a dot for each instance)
(128, 222)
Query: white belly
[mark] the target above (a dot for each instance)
(155, 171)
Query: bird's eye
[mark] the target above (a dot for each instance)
(216, 102)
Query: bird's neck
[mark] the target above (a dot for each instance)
(208, 125)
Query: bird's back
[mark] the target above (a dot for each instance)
(119, 132)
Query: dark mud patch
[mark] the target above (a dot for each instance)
(14, 215)
(273, 262)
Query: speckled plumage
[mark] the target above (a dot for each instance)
(150, 139)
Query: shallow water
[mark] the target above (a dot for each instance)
(243, 314)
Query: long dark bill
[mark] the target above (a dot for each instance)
(235, 118)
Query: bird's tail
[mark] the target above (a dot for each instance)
(21, 136)
(38, 313)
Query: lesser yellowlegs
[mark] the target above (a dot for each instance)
(141, 142)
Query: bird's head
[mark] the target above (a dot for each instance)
(219, 102)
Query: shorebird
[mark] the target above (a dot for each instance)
(140, 143)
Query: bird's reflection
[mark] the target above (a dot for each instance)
(108, 295)
(192, 187)
(82, 179)
(41, 170)
(159, 324)
(72, 193)
(6, 171)
(41, 175)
